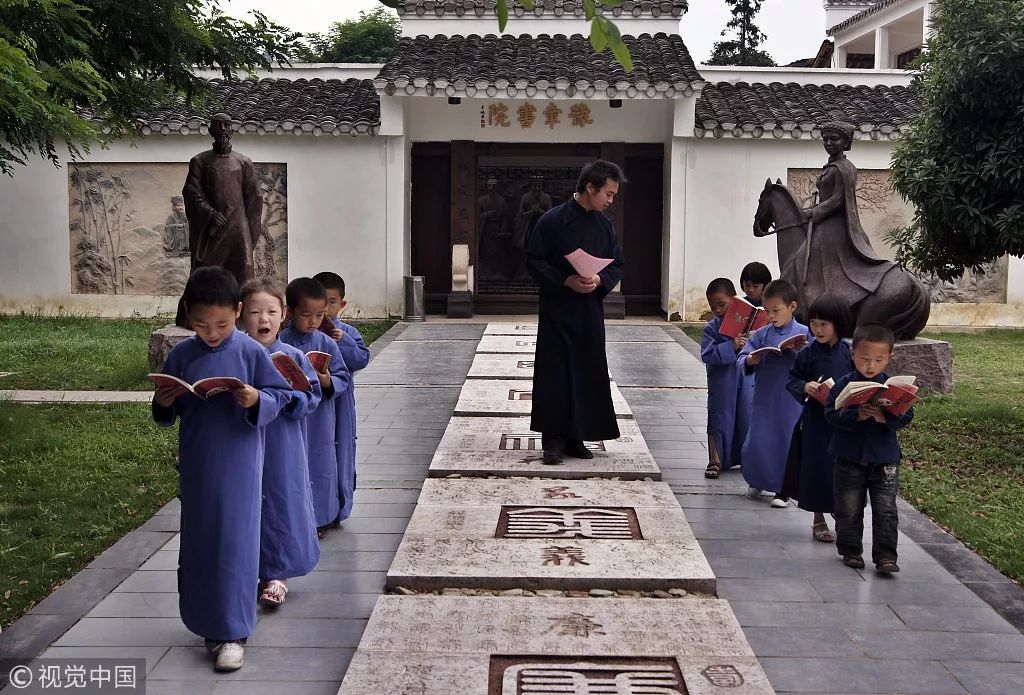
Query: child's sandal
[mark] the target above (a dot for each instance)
(887, 567)
(854, 561)
(713, 470)
(273, 593)
(822, 533)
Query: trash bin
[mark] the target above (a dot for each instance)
(415, 308)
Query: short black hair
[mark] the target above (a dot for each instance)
(597, 173)
(721, 285)
(781, 289)
(756, 273)
(303, 288)
(331, 281)
(211, 285)
(830, 307)
(874, 333)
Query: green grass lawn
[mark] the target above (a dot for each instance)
(86, 353)
(964, 453)
(73, 480)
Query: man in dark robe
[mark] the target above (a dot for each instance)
(572, 400)
(224, 207)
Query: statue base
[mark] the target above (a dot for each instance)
(162, 341)
(931, 361)
(460, 305)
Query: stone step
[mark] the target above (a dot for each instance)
(491, 365)
(483, 397)
(525, 344)
(511, 329)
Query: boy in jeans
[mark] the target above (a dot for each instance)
(867, 457)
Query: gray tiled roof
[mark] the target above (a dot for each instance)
(525, 66)
(480, 8)
(793, 110)
(863, 14)
(276, 106)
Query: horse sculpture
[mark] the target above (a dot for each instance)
(824, 248)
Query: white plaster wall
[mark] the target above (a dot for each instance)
(337, 220)
(433, 119)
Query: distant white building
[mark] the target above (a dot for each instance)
(454, 145)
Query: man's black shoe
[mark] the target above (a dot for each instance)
(553, 449)
(578, 450)
(552, 457)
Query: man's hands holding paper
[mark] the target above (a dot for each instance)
(583, 285)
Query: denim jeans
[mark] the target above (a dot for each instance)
(854, 481)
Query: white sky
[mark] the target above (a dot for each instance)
(795, 28)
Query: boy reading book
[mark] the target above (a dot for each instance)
(307, 306)
(774, 414)
(742, 317)
(356, 356)
(220, 452)
(827, 358)
(867, 454)
(288, 543)
(727, 426)
(897, 395)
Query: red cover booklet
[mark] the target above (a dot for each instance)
(897, 395)
(793, 342)
(204, 388)
(742, 317)
(319, 360)
(291, 371)
(824, 388)
(327, 325)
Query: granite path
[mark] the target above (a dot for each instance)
(814, 625)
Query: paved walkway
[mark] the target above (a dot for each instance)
(816, 626)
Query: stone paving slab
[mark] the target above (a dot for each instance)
(519, 344)
(440, 331)
(513, 397)
(505, 446)
(511, 329)
(437, 645)
(529, 534)
(490, 365)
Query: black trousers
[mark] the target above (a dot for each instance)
(854, 482)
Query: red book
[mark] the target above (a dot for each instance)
(824, 388)
(897, 395)
(793, 342)
(319, 360)
(742, 317)
(327, 325)
(204, 388)
(291, 371)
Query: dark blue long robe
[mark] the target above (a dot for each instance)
(288, 542)
(746, 398)
(816, 362)
(220, 452)
(321, 425)
(726, 429)
(774, 414)
(356, 356)
(571, 392)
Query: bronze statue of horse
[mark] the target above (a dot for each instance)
(901, 301)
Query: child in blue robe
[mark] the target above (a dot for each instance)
(307, 307)
(288, 542)
(827, 357)
(220, 452)
(357, 356)
(775, 413)
(718, 353)
(754, 278)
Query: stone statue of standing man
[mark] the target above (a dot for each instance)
(224, 207)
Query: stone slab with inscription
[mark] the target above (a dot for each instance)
(567, 535)
(511, 329)
(437, 645)
(503, 344)
(505, 446)
(513, 397)
(503, 366)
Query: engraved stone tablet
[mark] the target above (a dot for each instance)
(535, 534)
(439, 645)
(505, 446)
(510, 397)
(525, 344)
(511, 329)
(503, 366)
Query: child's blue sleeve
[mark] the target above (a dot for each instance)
(165, 417)
(275, 392)
(843, 419)
(712, 351)
(753, 343)
(799, 375)
(341, 377)
(304, 402)
(353, 348)
(898, 422)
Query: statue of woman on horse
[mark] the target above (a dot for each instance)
(824, 248)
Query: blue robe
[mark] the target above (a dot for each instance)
(356, 356)
(774, 414)
(746, 398)
(220, 468)
(321, 425)
(726, 429)
(817, 362)
(288, 542)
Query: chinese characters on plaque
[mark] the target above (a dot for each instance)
(497, 115)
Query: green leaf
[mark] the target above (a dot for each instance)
(502, 11)
(589, 9)
(598, 37)
(527, 4)
(621, 52)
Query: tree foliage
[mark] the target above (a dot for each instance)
(961, 161)
(74, 70)
(369, 39)
(743, 49)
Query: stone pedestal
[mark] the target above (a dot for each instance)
(931, 361)
(162, 341)
(460, 305)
